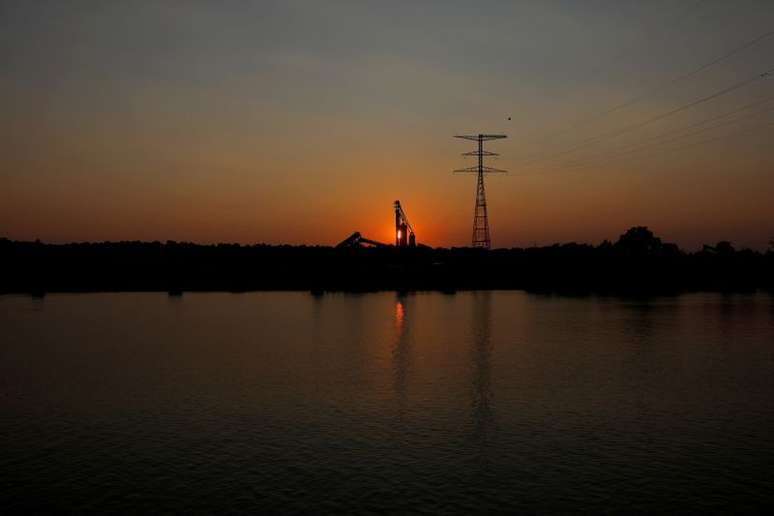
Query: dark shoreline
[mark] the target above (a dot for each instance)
(637, 264)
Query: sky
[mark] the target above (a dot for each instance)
(302, 121)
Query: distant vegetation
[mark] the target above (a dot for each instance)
(638, 262)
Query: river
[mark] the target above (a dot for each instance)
(284, 402)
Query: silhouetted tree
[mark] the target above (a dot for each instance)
(724, 248)
(638, 241)
(639, 262)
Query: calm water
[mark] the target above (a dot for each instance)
(474, 402)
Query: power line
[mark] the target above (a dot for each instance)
(694, 144)
(688, 75)
(655, 141)
(657, 118)
(714, 139)
(651, 146)
(670, 82)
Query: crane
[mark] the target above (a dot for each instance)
(358, 240)
(404, 232)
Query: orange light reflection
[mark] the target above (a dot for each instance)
(399, 314)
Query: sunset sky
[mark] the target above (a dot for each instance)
(301, 122)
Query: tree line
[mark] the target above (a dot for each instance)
(638, 262)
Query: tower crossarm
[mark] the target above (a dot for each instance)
(480, 153)
(481, 137)
(475, 170)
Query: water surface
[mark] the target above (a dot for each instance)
(474, 402)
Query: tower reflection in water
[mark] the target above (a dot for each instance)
(477, 360)
(480, 360)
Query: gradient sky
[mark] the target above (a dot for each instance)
(301, 122)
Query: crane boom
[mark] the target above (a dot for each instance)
(404, 232)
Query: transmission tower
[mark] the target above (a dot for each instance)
(480, 221)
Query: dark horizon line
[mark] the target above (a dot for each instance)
(603, 243)
(638, 262)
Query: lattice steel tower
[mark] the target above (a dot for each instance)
(480, 220)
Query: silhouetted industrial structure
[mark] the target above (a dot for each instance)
(404, 233)
(481, 237)
(358, 240)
